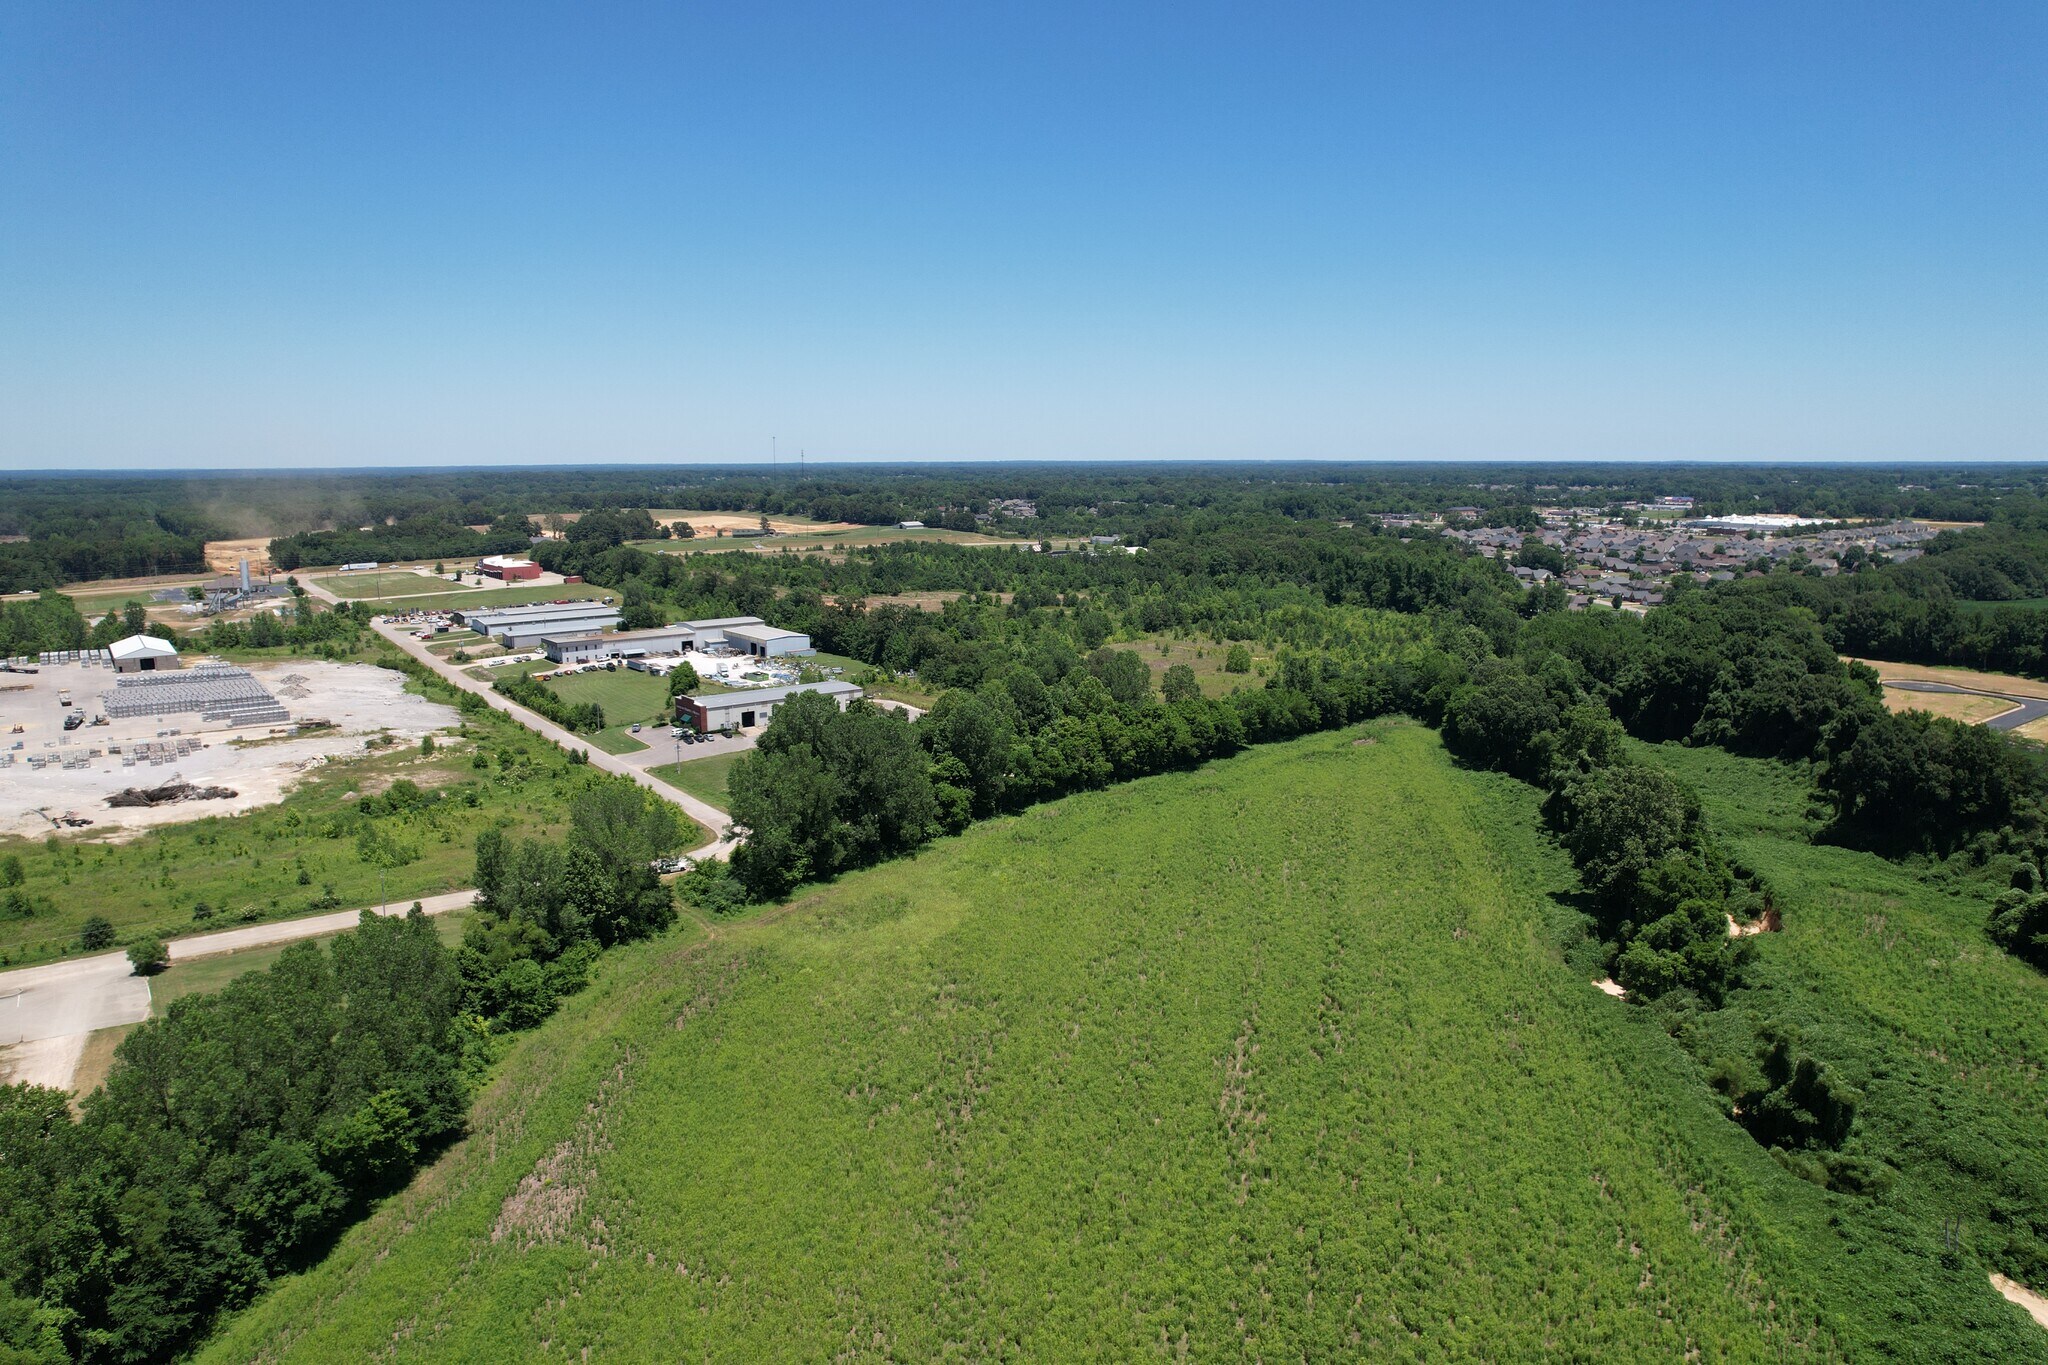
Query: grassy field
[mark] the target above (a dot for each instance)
(2012, 684)
(703, 778)
(626, 695)
(1960, 706)
(1205, 657)
(279, 861)
(1273, 1060)
(469, 597)
(384, 583)
(832, 539)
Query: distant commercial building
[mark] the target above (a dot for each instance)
(520, 627)
(143, 654)
(745, 710)
(507, 568)
(767, 642)
(592, 647)
(910, 526)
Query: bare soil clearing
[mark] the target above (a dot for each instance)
(2015, 1292)
(359, 700)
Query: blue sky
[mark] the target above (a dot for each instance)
(284, 235)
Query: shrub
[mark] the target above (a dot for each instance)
(95, 934)
(149, 957)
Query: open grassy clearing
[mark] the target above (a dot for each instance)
(703, 778)
(626, 695)
(469, 597)
(1272, 1060)
(2010, 683)
(1955, 705)
(1205, 657)
(281, 860)
(384, 583)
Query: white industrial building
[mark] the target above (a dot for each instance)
(143, 654)
(590, 647)
(767, 642)
(745, 710)
(748, 635)
(520, 627)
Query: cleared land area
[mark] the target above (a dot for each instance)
(1205, 657)
(1272, 1060)
(336, 838)
(1963, 706)
(364, 706)
(2009, 684)
(386, 583)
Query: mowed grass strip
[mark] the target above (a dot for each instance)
(1264, 1061)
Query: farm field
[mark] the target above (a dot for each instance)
(2017, 604)
(280, 861)
(703, 778)
(1271, 1060)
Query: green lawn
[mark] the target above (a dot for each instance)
(626, 695)
(703, 778)
(277, 862)
(1273, 1060)
(469, 597)
(619, 739)
(384, 583)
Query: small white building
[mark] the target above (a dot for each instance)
(766, 641)
(143, 654)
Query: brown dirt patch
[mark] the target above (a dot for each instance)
(226, 556)
(2015, 1292)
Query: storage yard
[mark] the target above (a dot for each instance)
(75, 736)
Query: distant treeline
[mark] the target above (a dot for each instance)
(83, 527)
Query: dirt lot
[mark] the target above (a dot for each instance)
(226, 556)
(706, 523)
(258, 765)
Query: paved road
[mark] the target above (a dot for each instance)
(703, 812)
(46, 1012)
(2024, 709)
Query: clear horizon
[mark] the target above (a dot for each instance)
(240, 238)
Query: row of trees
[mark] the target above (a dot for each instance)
(584, 717)
(545, 910)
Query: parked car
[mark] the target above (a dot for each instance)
(636, 727)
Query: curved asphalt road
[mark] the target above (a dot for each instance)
(2024, 709)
